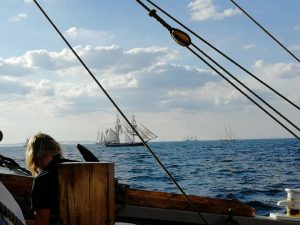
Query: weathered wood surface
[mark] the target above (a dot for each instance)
(178, 202)
(17, 185)
(20, 188)
(87, 193)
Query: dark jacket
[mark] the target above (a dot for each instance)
(45, 187)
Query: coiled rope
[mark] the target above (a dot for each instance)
(6, 212)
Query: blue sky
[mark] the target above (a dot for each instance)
(44, 88)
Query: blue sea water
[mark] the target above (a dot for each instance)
(255, 172)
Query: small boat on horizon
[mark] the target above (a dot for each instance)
(26, 142)
(229, 136)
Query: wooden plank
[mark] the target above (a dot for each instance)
(178, 202)
(20, 188)
(87, 194)
(17, 185)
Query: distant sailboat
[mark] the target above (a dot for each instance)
(229, 136)
(26, 142)
(191, 138)
(123, 134)
(100, 137)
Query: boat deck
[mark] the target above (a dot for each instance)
(148, 207)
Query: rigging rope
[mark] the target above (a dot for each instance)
(224, 55)
(247, 88)
(152, 13)
(120, 111)
(240, 90)
(267, 32)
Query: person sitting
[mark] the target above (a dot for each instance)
(43, 155)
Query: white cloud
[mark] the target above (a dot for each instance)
(142, 79)
(131, 74)
(109, 59)
(115, 68)
(221, 93)
(33, 60)
(83, 36)
(279, 70)
(43, 88)
(205, 10)
(210, 96)
(120, 82)
(295, 47)
(15, 87)
(297, 28)
(249, 46)
(19, 17)
(148, 73)
(14, 66)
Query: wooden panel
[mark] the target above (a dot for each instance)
(87, 193)
(17, 185)
(178, 202)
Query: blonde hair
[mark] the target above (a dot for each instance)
(39, 146)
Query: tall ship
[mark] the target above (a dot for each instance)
(229, 136)
(123, 135)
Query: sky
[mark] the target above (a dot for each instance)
(44, 88)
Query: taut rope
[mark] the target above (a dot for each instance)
(265, 30)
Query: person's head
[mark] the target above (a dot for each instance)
(40, 148)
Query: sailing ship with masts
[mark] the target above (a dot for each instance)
(123, 135)
(229, 136)
(26, 142)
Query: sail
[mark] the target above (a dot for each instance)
(143, 131)
(143, 134)
(112, 136)
(128, 139)
(118, 126)
(229, 136)
(100, 137)
(26, 142)
(148, 132)
(128, 129)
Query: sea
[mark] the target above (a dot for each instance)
(255, 172)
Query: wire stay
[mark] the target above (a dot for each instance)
(265, 30)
